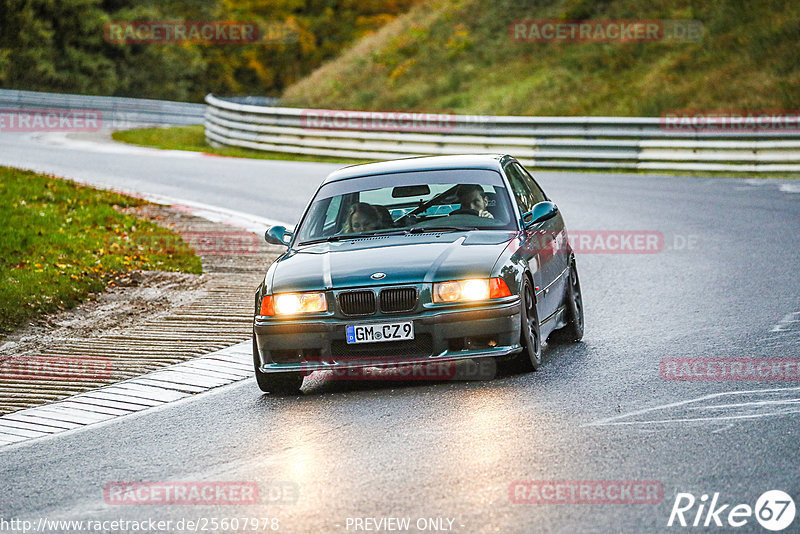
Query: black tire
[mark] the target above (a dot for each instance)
(572, 332)
(530, 359)
(276, 383)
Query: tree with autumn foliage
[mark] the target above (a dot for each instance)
(60, 46)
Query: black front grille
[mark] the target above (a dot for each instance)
(422, 345)
(398, 299)
(357, 302)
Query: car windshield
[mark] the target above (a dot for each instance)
(449, 200)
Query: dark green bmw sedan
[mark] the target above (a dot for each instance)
(417, 261)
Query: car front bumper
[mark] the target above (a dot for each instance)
(441, 335)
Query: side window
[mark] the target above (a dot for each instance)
(538, 194)
(520, 188)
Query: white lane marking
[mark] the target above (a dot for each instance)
(138, 395)
(756, 408)
(253, 223)
(247, 221)
(787, 323)
(240, 219)
(64, 139)
(624, 418)
(700, 419)
(790, 188)
(785, 185)
(744, 404)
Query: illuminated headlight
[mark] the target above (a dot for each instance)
(293, 303)
(471, 290)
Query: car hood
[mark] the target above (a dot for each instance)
(405, 259)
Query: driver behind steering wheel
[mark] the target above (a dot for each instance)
(473, 199)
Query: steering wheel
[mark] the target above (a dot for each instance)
(406, 220)
(465, 211)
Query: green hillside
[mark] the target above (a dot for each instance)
(458, 56)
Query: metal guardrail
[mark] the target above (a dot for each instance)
(541, 142)
(117, 112)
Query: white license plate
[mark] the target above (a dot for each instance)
(371, 333)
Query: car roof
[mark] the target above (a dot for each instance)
(422, 163)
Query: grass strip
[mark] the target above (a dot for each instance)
(61, 242)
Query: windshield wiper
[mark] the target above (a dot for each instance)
(398, 231)
(324, 240)
(347, 237)
(425, 229)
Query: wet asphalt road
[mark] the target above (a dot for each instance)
(725, 285)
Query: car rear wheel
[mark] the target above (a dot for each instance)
(573, 313)
(531, 356)
(276, 383)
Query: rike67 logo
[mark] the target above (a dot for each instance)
(774, 510)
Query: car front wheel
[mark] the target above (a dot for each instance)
(531, 356)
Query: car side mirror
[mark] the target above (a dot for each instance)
(541, 212)
(278, 235)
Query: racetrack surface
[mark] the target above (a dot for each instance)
(599, 410)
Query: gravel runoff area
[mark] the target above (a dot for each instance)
(152, 320)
